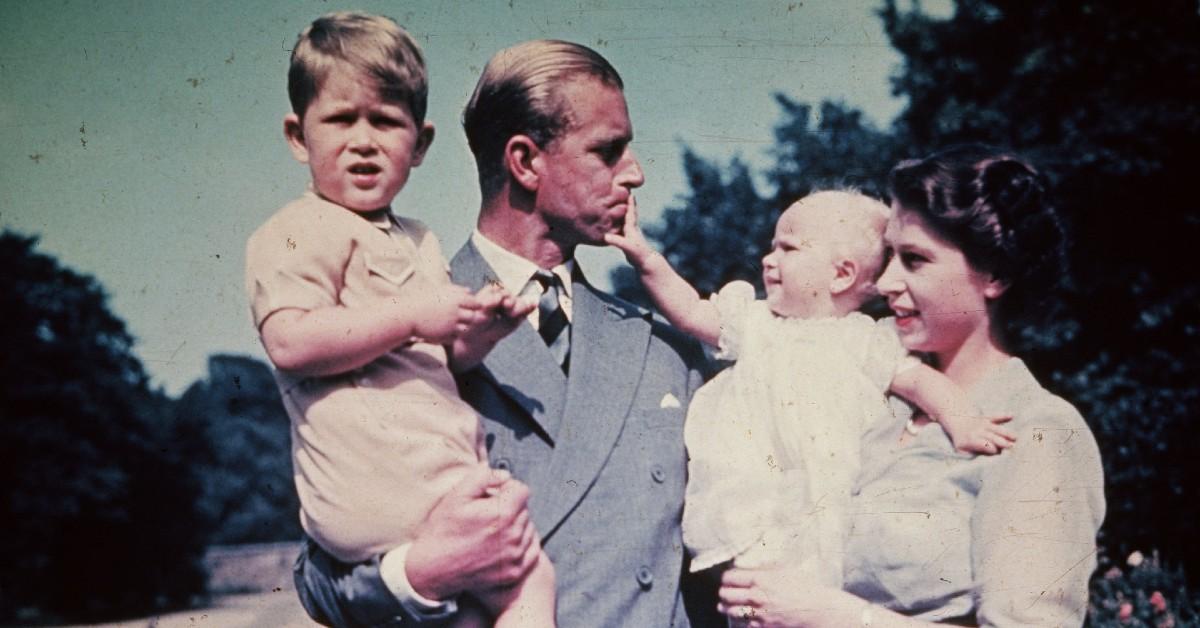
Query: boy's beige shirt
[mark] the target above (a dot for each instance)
(373, 449)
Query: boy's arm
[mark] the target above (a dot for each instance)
(674, 296)
(337, 339)
(947, 404)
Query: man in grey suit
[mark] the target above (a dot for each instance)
(584, 405)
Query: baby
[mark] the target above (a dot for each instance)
(773, 441)
(356, 310)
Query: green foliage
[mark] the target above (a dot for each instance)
(1101, 95)
(99, 502)
(1142, 593)
(245, 457)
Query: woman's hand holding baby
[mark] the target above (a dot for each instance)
(782, 597)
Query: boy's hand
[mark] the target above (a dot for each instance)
(499, 314)
(449, 312)
(631, 241)
(979, 434)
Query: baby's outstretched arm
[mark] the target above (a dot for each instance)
(947, 404)
(501, 314)
(337, 339)
(674, 296)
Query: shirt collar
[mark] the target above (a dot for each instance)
(379, 218)
(514, 271)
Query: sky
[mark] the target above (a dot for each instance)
(142, 141)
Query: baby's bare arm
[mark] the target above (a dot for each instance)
(947, 403)
(337, 339)
(671, 293)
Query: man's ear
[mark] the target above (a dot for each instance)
(424, 139)
(993, 287)
(524, 161)
(293, 132)
(845, 275)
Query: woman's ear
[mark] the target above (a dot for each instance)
(993, 287)
(845, 275)
(293, 132)
(524, 160)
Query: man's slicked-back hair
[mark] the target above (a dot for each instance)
(373, 45)
(518, 94)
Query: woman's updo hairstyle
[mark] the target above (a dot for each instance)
(992, 205)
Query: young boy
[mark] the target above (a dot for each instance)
(358, 315)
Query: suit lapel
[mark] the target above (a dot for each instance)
(608, 351)
(521, 365)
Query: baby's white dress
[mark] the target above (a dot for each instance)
(773, 440)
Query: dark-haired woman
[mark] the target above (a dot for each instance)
(945, 537)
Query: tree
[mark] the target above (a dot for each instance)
(246, 463)
(98, 505)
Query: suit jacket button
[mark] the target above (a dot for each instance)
(644, 577)
(659, 474)
(503, 464)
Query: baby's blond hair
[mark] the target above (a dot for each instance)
(857, 222)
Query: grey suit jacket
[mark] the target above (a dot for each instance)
(601, 451)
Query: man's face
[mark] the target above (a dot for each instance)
(588, 173)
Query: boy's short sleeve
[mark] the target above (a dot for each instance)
(733, 303)
(885, 356)
(295, 262)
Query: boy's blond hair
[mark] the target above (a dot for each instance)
(371, 44)
(859, 221)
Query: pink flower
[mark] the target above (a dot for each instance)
(1125, 612)
(1135, 559)
(1112, 574)
(1158, 602)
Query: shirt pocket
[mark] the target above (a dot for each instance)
(391, 268)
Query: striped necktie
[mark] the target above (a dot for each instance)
(552, 320)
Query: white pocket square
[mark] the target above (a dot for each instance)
(669, 401)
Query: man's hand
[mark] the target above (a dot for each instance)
(499, 314)
(477, 537)
(631, 241)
